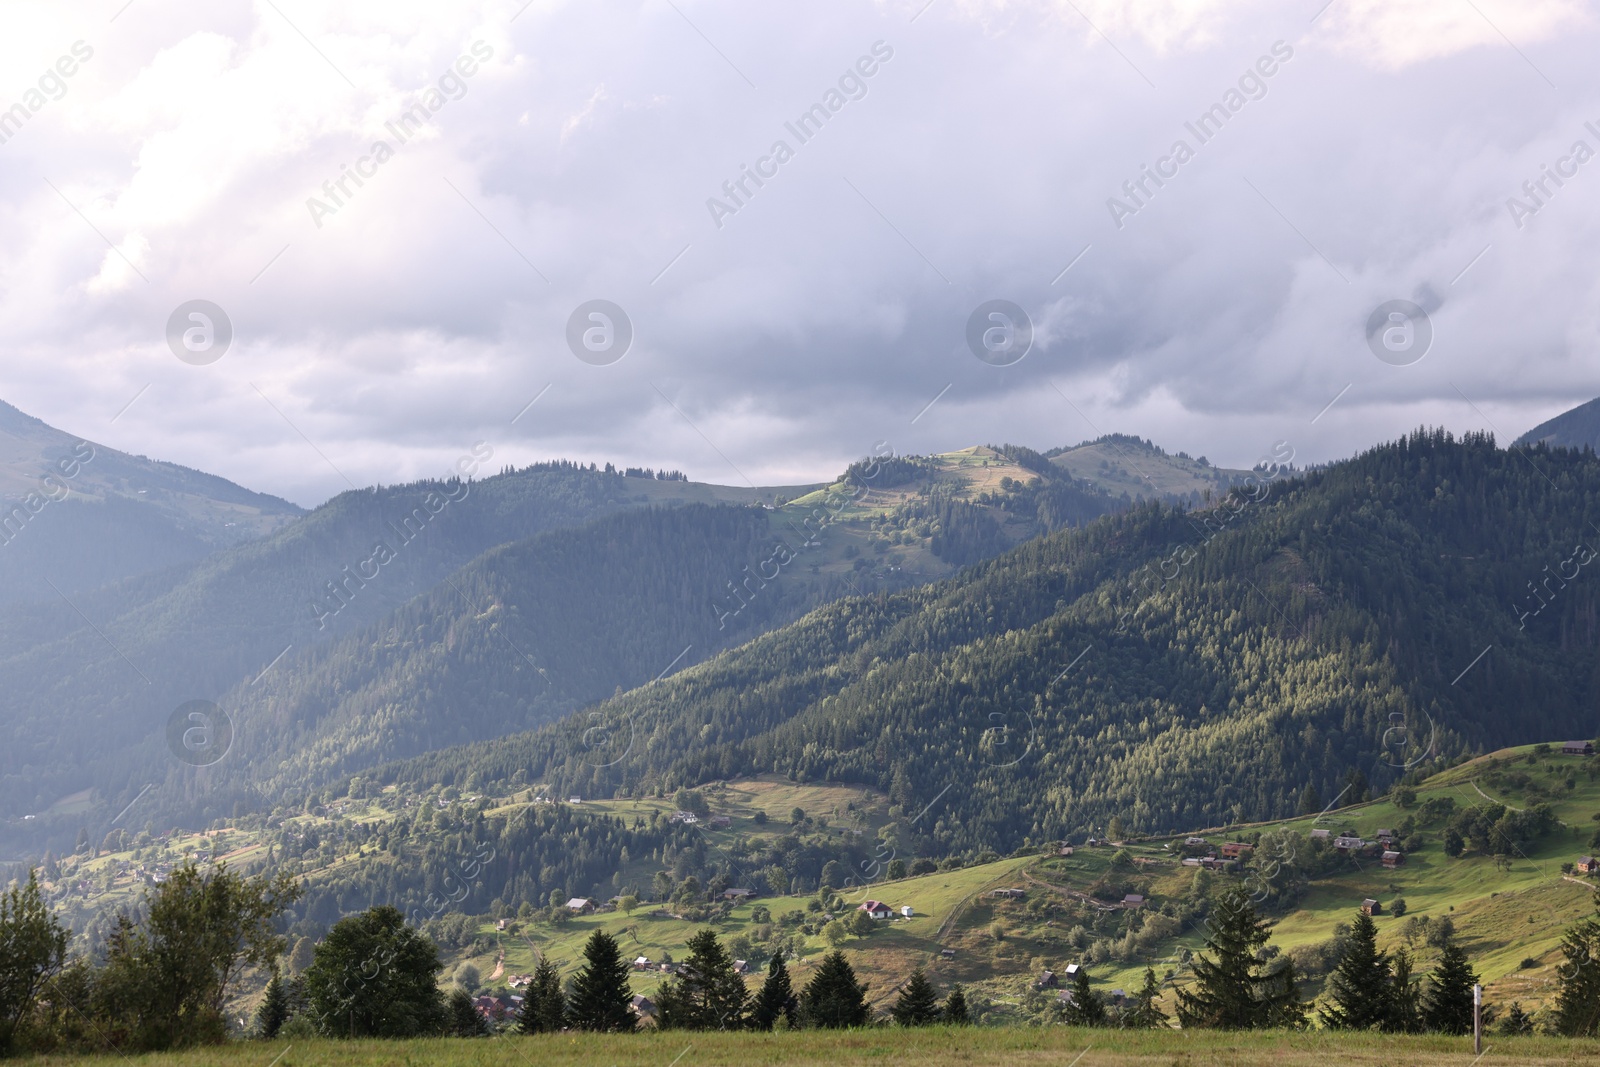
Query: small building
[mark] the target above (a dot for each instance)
(741, 966)
(1347, 843)
(1320, 834)
(1116, 998)
(687, 818)
(492, 1008)
(581, 905)
(875, 909)
(720, 822)
(1133, 900)
(1190, 861)
(738, 893)
(641, 963)
(1072, 970)
(907, 911)
(1195, 841)
(643, 1006)
(1047, 980)
(1064, 850)
(1007, 894)
(1578, 748)
(1391, 858)
(574, 800)
(1587, 865)
(1371, 907)
(1233, 850)
(947, 953)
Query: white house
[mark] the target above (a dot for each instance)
(875, 909)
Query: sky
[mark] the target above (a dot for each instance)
(1340, 165)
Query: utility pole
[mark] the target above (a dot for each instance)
(1477, 1019)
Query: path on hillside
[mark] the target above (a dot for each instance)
(1074, 894)
(1491, 799)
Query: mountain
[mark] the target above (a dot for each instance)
(92, 684)
(1577, 428)
(398, 619)
(81, 515)
(1166, 667)
(1141, 470)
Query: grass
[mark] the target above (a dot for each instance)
(975, 1047)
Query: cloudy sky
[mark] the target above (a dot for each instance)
(560, 153)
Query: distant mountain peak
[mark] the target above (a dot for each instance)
(1577, 428)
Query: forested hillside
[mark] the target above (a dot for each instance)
(90, 684)
(1170, 668)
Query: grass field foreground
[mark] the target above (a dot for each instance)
(974, 1047)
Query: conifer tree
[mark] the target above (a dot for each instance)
(1360, 990)
(1447, 1005)
(1577, 1011)
(955, 1011)
(1233, 991)
(1146, 1014)
(917, 1004)
(463, 1018)
(544, 1004)
(1517, 1022)
(1085, 1007)
(834, 999)
(1405, 1005)
(601, 996)
(776, 999)
(707, 993)
(274, 1009)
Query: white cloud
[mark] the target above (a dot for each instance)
(830, 309)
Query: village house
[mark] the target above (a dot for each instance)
(1371, 907)
(1578, 748)
(643, 1006)
(1195, 841)
(947, 953)
(1133, 900)
(641, 963)
(741, 966)
(581, 905)
(1347, 843)
(687, 818)
(720, 822)
(1587, 865)
(1047, 980)
(1392, 858)
(1233, 850)
(1320, 834)
(1064, 850)
(875, 909)
(1007, 894)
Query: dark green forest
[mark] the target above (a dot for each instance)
(1168, 667)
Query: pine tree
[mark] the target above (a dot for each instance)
(1405, 1007)
(1447, 1005)
(1360, 987)
(955, 1012)
(464, 1019)
(1146, 1014)
(274, 1009)
(1084, 1007)
(776, 999)
(917, 1004)
(1232, 992)
(707, 994)
(833, 999)
(1517, 1022)
(544, 1005)
(1578, 981)
(1310, 800)
(601, 996)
